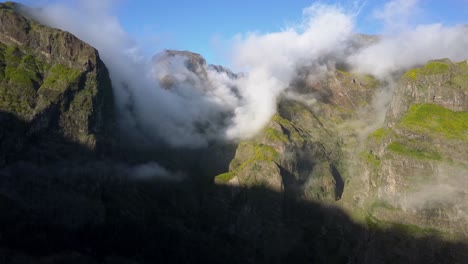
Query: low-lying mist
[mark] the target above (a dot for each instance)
(204, 104)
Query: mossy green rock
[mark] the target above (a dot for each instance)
(439, 82)
(300, 152)
(52, 80)
(417, 162)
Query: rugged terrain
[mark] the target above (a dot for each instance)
(335, 177)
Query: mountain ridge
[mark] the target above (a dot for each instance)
(328, 180)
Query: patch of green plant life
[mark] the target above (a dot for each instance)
(373, 223)
(371, 81)
(436, 67)
(379, 134)
(405, 229)
(275, 135)
(373, 160)
(294, 134)
(344, 73)
(13, 55)
(463, 64)
(18, 101)
(381, 204)
(265, 153)
(224, 178)
(435, 119)
(26, 73)
(460, 81)
(411, 74)
(83, 101)
(405, 150)
(431, 68)
(460, 77)
(414, 230)
(253, 152)
(59, 77)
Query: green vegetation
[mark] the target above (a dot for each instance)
(20, 79)
(404, 229)
(379, 134)
(431, 68)
(275, 135)
(435, 119)
(436, 67)
(59, 77)
(371, 81)
(264, 153)
(414, 230)
(224, 178)
(25, 74)
(411, 74)
(460, 78)
(381, 204)
(344, 73)
(372, 160)
(405, 150)
(249, 155)
(294, 134)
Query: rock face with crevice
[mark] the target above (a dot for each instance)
(53, 81)
(314, 186)
(300, 151)
(415, 166)
(410, 171)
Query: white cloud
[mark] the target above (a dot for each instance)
(397, 14)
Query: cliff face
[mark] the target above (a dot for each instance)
(52, 80)
(411, 171)
(440, 82)
(315, 186)
(415, 166)
(301, 152)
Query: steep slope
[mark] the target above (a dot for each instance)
(53, 81)
(300, 151)
(280, 202)
(415, 167)
(56, 111)
(411, 172)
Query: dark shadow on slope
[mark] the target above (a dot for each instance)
(174, 223)
(339, 183)
(35, 142)
(78, 211)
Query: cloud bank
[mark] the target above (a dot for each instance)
(179, 100)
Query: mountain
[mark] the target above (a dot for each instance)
(336, 176)
(54, 82)
(416, 164)
(409, 171)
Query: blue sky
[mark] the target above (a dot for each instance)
(207, 26)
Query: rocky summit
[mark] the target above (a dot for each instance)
(344, 172)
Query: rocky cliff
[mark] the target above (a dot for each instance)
(412, 171)
(328, 180)
(53, 81)
(415, 166)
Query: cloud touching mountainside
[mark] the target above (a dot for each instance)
(215, 106)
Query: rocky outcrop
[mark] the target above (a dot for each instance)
(415, 167)
(300, 152)
(410, 171)
(440, 82)
(53, 81)
(178, 67)
(56, 111)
